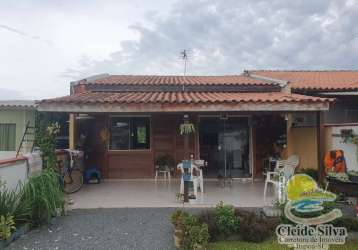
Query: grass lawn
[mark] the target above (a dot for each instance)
(267, 245)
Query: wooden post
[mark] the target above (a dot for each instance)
(320, 145)
(72, 131)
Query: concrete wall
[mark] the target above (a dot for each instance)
(20, 118)
(16, 170)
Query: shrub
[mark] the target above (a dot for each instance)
(208, 217)
(11, 204)
(254, 228)
(350, 223)
(7, 225)
(177, 217)
(195, 235)
(226, 220)
(255, 232)
(43, 194)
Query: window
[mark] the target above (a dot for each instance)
(129, 133)
(7, 137)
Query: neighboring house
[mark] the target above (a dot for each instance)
(14, 115)
(342, 114)
(124, 122)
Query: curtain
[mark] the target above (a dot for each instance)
(7, 137)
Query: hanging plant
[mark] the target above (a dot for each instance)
(186, 128)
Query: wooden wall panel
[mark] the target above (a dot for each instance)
(130, 164)
(165, 139)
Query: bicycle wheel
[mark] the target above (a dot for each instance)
(73, 181)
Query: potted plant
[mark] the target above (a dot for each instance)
(165, 163)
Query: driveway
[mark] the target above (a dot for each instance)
(112, 228)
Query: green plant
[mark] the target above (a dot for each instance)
(7, 225)
(186, 128)
(177, 217)
(45, 138)
(195, 234)
(254, 228)
(163, 161)
(310, 172)
(225, 218)
(11, 204)
(44, 195)
(208, 217)
(350, 223)
(197, 237)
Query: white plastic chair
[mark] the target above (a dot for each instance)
(194, 179)
(165, 172)
(288, 166)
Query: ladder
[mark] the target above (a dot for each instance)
(27, 137)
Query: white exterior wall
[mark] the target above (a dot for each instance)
(13, 173)
(17, 171)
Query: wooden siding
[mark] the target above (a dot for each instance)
(130, 164)
(165, 139)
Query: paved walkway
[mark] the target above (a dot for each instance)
(121, 228)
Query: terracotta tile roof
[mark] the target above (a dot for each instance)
(175, 80)
(181, 98)
(26, 104)
(344, 80)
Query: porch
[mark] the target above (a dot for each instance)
(114, 193)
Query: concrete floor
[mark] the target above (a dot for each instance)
(148, 193)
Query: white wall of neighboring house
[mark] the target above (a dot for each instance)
(350, 149)
(15, 171)
(7, 154)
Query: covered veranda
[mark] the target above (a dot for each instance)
(128, 173)
(149, 193)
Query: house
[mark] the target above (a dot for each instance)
(124, 122)
(14, 116)
(342, 115)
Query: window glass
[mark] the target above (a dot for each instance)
(140, 132)
(7, 137)
(129, 133)
(120, 129)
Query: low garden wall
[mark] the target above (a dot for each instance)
(17, 169)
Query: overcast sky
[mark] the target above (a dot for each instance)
(46, 44)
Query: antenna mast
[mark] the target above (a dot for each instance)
(184, 56)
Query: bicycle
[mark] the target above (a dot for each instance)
(71, 175)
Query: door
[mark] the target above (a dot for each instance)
(225, 145)
(234, 147)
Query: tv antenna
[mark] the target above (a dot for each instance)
(184, 55)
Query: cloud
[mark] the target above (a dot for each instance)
(226, 37)
(21, 33)
(6, 94)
